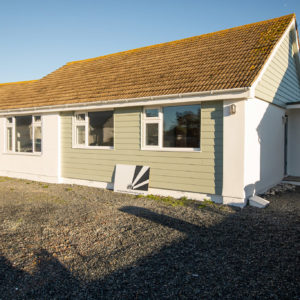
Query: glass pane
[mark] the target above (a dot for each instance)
(24, 134)
(9, 120)
(80, 135)
(182, 126)
(101, 128)
(80, 117)
(37, 139)
(9, 139)
(152, 112)
(37, 118)
(152, 134)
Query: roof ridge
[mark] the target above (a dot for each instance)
(293, 15)
(18, 82)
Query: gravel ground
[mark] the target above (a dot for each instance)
(74, 242)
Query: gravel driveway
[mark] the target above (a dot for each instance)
(74, 242)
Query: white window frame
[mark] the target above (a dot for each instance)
(85, 123)
(34, 125)
(12, 125)
(160, 120)
(152, 120)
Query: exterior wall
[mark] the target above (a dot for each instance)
(42, 167)
(199, 172)
(293, 167)
(280, 83)
(264, 146)
(233, 153)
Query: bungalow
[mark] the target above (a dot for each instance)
(214, 116)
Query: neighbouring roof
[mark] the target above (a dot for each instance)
(225, 59)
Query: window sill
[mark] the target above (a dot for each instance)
(93, 147)
(23, 153)
(171, 149)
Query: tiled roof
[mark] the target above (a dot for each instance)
(225, 59)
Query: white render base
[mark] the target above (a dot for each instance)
(189, 195)
(97, 184)
(28, 176)
(239, 202)
(152, 191)
(259, 202)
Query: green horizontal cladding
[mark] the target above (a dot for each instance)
(185, 171)
(280, 83)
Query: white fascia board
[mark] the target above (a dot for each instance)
(269, 59)
(237, 94)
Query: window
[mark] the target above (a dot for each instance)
(24, 134)
(152, 126)
(172, 127)
(94, 129)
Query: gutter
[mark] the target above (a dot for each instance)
(213, 95)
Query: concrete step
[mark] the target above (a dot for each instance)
(257, 201)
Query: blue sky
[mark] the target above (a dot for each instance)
(39, 36)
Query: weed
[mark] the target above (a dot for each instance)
(68, 189)
(208, 203)
(45, 186)
(183, 201)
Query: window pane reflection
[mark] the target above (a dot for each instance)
(101, 128)
(24, 134)
(38, 139)
(80, 135)
(152, 134)
(181, 126)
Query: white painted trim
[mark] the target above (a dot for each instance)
(169, 149)
(214, 95)
(160, 120)
(59, 145)
(267, 63)
(23, 153)
(85, 123)
(12, 125)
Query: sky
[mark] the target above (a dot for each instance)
(39, 36)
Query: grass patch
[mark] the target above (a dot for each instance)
(45, 186)
(3, 179)
(183, 201)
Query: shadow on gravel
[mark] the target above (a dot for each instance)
(248, 255)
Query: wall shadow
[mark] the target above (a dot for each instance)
(271, 127)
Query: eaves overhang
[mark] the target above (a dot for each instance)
(214, 95)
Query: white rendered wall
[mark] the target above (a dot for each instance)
(42, 167)
(264, 146)
(293, 167)
(233, 153)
